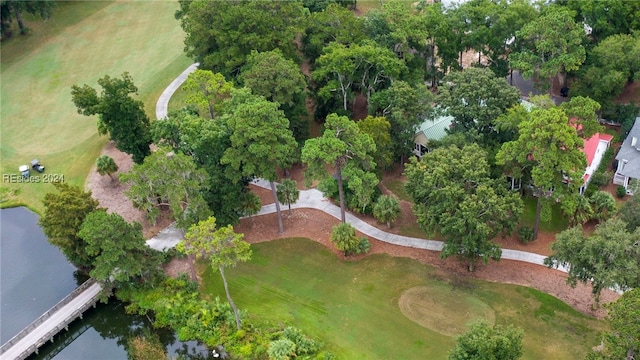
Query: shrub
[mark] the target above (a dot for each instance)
(386, 209)
(363, 246)
(525, 234)
(621, 191)
(344, 238)
(601, 178)
(604, 205)
(283, 349)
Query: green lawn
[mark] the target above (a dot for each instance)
(557, 223)
(80, 43)
(352, 306)
(397, 188)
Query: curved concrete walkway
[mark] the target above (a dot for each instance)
(163, 102)
(313, 199)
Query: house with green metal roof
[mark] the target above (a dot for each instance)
(431, 129)
(436, 129)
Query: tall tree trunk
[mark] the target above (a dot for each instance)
(472, 265)
(289, 207)
(343, 216)
(211, 111)
(275, 197)
(536, 225)
(226, 289)
(511, 77)
(596, 297)
(18, 13)
(192, 267)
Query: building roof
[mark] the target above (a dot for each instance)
(435, 129)
(591, 145)
(631, 153)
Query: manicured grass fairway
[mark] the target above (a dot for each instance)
(353, 306)
(80, 43)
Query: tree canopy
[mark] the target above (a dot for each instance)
(220, 34)
(261, 143)
(167, 178)
(454, 195)
(359, 68)
(279, 80)
(222, 247)
(15, 8)
(342, 146)
(119, 115)
(475, 97)
(549, 149)
(629, 212)
(207, 91)
(205, 142)
(483, 341)
(64, 213)
(622, 342)
(118, 249)
(609, 257)
(555, 45)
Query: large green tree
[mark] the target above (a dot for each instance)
(623, 341)
(207, 91)
(359, 68)
(378, 128)
(279, 80)
(454, 195)
(606, 18)
(445, 41)
(220, 34)
(548, 148)
(119, 115)
(609, 257)
(483, 342)
(119, 253)
(629, 212)
(508, 19)
(405, 106)
(342, 146)
(64, 213)
(555, 45)
(475, 97)
(221, 246)
(334, 24)
(261, 143)
(168, 178)
(610, 65)
(205, 141)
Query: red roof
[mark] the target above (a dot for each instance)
(591, 145)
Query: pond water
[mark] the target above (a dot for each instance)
(34, 276)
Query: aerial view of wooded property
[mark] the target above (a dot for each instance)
(333, 179)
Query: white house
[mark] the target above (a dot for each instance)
(628, 172)
(594, 149)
